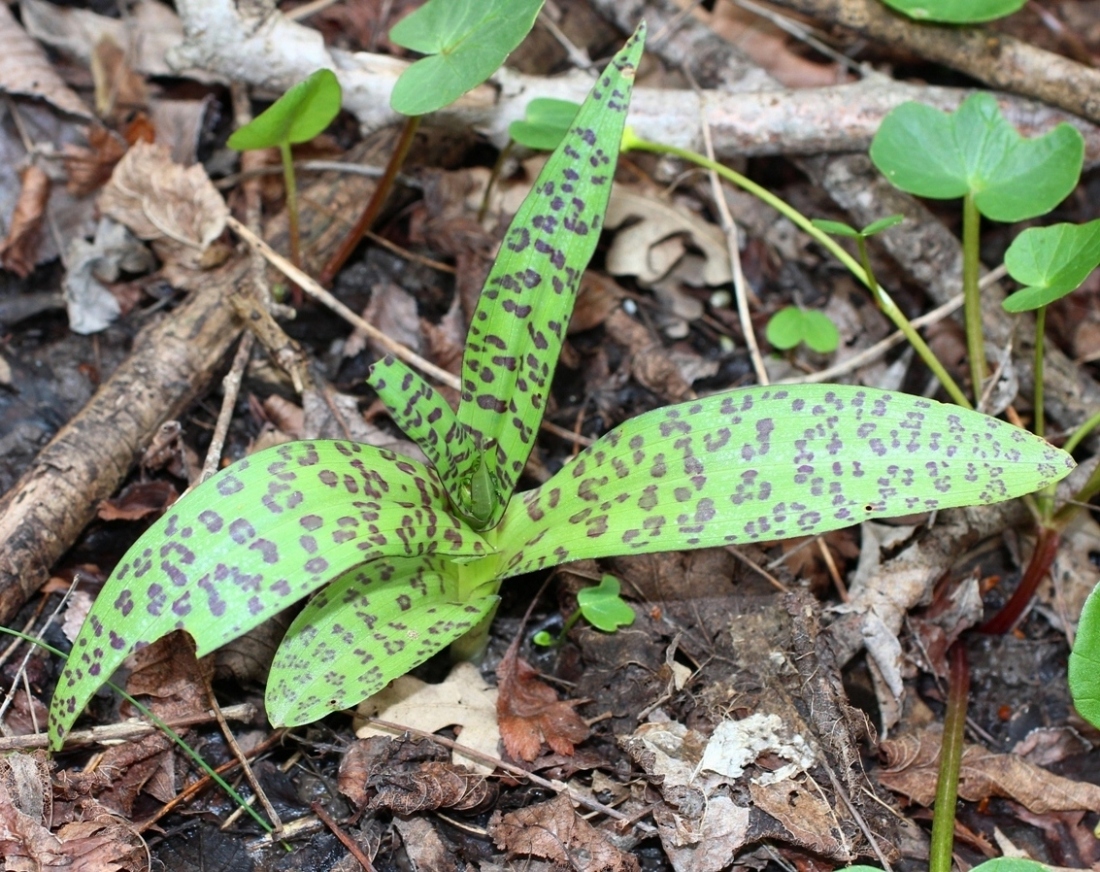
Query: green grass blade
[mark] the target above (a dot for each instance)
(517, 330)
(370, 626)
(255, 538)
(766, 463)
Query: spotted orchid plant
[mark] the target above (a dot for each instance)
(409, 557)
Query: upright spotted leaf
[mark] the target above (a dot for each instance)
(424, 416)
(257, 537)
(769, 463)
(517, 329)
(370, 626)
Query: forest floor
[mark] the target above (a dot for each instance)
(771, 706)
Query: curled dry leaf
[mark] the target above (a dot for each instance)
(529, 712)
(429, 786)
(554, 831)
(138, 500)
(912, 764)
(164, 202)
(18, 251)
(88, 169)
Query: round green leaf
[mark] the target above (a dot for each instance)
(466, 40)
(298, 116)
(545, 123)
(1084, 661)
(955, 12)
(976, 151)
(1011, 864)
(792, 325)
(1051, 262)
(602, 606)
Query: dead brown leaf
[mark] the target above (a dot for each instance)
(89, 168)
(18, 251)
(429, 786)
(25, 69)
(177, 208)
(529, 711)
(554, 831)
(119, 90)
(912, 765)
(138, 500)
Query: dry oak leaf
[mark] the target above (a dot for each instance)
(652, 246)
(162, 201)
(464, 699)
(554, 831)
(25, 69)
(529, 712)
(912, 765)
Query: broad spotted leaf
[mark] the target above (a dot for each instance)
(424, 416)
(769, 463)
(258, 536)
(517, 329)
(370, 626)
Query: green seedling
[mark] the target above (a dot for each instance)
(954, 11)
(793, 324)
(976, 154)
(601, 606)
(545, 122)
(465, 41)
(409, 557)
(298, 116)
(997, 864)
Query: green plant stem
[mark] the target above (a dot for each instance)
(163, 727)
(378, 199)
(947, 788)
(291, 186)
(972, 301)
(632, 142)
(472, 646)
(1040, 342)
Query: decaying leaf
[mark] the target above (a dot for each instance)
(18, 251)
(91, 306)
(90, 168)
(554, 831)
(651, 247)
(138, 500)
(163, 202)
(530, 712)
(464, 699)
(25, 69)
(429, 786)
(912, 764)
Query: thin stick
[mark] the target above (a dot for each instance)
(733, 246)
(315, 290)
(346, 840)
(124, 732)
(231, 387)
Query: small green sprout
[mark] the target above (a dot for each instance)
(1051, 262)
(956, 11)
(976, 154)
(1084, 661)
(793, 324)
(601, 606)
(298, 116)
(465, 42)
(409, 557)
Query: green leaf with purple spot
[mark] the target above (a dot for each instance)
(401, 612)
(254, 539)
(519, 324)
(761, 464)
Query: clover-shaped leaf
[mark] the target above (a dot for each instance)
(465, 40)
(545, 122)
(954, 11)
(602, 606)
(1051, 262)
(298, 116)
(976, 151)
(792, 325)
(1084, 661)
